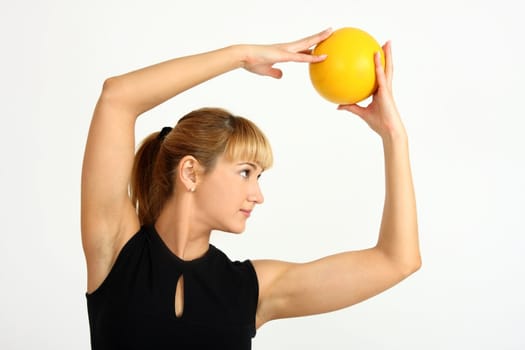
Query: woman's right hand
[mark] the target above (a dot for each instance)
(381, 114)
(259, 59)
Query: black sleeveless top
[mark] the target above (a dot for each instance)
(134, 308)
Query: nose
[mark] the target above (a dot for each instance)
(256, 195)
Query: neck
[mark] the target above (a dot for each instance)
(177, 228)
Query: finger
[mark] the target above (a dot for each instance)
(274, 73)
(318, 58)
(380, 73)
(309, 41)
(389, 66)
(303, 57)
(353, 108)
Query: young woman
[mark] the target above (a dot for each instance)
(154, 280)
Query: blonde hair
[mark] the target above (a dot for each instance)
(205, 134)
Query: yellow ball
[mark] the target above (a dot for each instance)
(347, 75)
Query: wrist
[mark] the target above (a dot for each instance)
(240, 53)
(394, 135)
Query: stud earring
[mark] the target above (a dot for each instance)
(192, 189)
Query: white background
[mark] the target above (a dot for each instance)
(459, 85)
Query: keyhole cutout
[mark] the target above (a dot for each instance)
(179, 297)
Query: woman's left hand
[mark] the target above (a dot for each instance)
(259, 59)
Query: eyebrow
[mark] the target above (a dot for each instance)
(253, 165)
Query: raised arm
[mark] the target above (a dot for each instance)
(108, 217)
(338, 281)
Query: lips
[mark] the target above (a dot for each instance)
(246, 212)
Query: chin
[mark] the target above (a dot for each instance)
(238, 231)
(235, 229)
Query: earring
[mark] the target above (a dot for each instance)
(192, 189)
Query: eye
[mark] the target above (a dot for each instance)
(245, 173)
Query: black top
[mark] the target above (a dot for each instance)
(134, 308)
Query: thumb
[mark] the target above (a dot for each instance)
(352, 108)
(274, 73)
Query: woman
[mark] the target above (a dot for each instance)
(154, 281)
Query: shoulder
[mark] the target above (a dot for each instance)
(217, 256)
(238, 272)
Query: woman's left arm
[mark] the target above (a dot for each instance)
(341, 280)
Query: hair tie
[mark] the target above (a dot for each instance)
(165, 131)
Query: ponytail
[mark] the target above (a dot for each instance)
(147, 192)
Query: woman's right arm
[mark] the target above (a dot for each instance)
(108, 217)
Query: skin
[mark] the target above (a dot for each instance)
(109, 220)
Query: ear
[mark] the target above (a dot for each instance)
(188, 172)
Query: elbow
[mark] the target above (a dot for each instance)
(416, 265)
(411, 266)
(111, 90)
(403, 263)
(116, 93)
